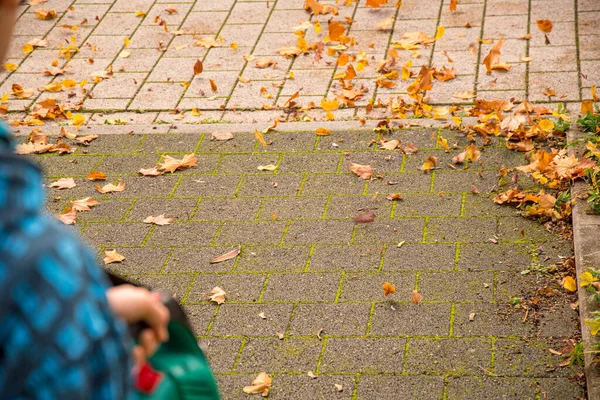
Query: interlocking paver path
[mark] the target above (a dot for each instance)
(315, 274)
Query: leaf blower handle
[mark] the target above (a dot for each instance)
(176, 314)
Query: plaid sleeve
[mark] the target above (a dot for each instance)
(58, 337)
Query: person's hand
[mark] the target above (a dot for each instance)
(134, 304)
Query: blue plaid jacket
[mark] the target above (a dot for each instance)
(58, 336)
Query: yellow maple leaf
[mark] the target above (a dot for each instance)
(586, 279)
(570, 284)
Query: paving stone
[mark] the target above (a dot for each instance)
(490, 320)
(460, 230)
(157, 96)
(200, 317)
(245, 163)
(273, 259)
(388, 387)
(198, 260)
(221, 353)
(245, 320)
(364, 355)
(239, 287)
(345, 258)
(290, 355)
(241, 143)
(178, 209)
(411, 320)
(313, 287)
(222, 208)
(110, 234)
(183, 234)
(298, 387)
(560, 388)
(390, 230)
(309, 162)
(531, 357)
(520, 229)
(235, 233)
(177, 285)
(359, 286)
(293, 207)
(419, 257)
(456, 286)
(349, 206)
(405, 182)
(116, 165)
(125, 144)
(66, 166)
(198, 186)
(330, 320)
(428, 205)
(137, 260)
(471, 387)
(112, 210)
(136, 187)
(489, 256)
(170, 143)
(448, 356)
(326, 184)
(318, 231)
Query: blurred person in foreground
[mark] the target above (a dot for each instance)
(63, 331)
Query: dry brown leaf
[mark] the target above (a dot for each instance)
(96, 176)
(493, 56)
(63, 183)
(260, 137)
(474, 189)
(336, 30)
(445, 74)
(364, 218)
(110, 188)
(410, 148)
(265, 63)
(45, 14)
(429, 164)
(150, 171)
(85, 204)
(338, 387)
(34, 148)
(375, 3)
(68, 217)
(207, 43)
(289, 52)
(472, 152)
(416, 297)
(311, 374)
(198, 67)
(111, 256)
(85, 140)
(260, 385)
(388, 289)
(268, 167)
(464, 95)
(549, 92)
(364, 171)
(227, 256)
(171, 10)
(394, 196)
(323, 132)
(453, 4)
(386, 24)
(213, 85)
(545, 25)
(20, 93)
(158, 220)
(390, 144)
(170, 164)
(221, 136)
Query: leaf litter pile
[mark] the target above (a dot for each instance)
(540, 188)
